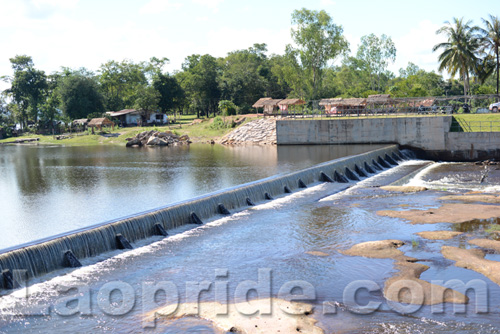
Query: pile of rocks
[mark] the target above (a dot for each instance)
(261, 132)
(156, 138)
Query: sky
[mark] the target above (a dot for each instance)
(88, 33)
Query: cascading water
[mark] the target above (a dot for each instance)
(47, 255)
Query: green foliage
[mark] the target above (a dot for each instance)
(228, 108)
(219, 123)
(493, 228)
(80, 97)
(171, 94)
(318, 41)
(459, 53)
(375, 55)
(146, 100)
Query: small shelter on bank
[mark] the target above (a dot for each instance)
(126, 116)
(286, 103)
(416, 104)
(99, 123)
(380, 103)
(343, 106)
(260, 103)
(270, 106)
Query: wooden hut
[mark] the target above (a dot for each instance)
(285, 104)
(343, 106)
(260, 103)
(99, 123)
(380, 103)
(270, 106)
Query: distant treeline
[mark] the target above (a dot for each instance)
(205, 83)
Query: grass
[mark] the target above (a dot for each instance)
(476, 122)
(493, 228)
(199, 132)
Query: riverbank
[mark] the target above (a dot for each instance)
(198, 130)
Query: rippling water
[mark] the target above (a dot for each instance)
(276, 237)
(49, 190)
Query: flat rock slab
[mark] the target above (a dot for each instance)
(448, 213)
(284, 317)
(438, 235)
(473, 259)
(381, 249)
(404, 189)
(486, 243)
(406, 286)
(472, 198)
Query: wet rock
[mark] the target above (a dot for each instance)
(473, 259)
(276, 316)
(382, 249)
(471, 198)
(448, 213)
(404, 189)
(438, 235)
(405, 286)
(486, 243)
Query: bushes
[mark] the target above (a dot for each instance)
(227, 108)
(218, 124)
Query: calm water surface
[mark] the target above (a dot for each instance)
(50, 190)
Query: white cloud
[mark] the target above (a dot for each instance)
(212, 4)
(416, 47)
(158, 6)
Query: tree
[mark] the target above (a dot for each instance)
(80, 96)
(146, 101)
(318, 41)
(242, 77)
(490, 42)
(28, 88)
(376, 54)
(459, 52)
(228, 108)
(119, 82)
(172, 95)
(199, 80)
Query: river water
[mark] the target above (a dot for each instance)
(271, 244)
(46, 191)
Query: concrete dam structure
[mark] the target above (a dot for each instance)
(60, 251)
(429, 135)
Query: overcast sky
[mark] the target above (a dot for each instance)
(87, 33)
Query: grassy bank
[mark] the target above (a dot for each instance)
(201, 130)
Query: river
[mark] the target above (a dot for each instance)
(274, 243)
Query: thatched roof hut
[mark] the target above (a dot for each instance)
(380, 99)
(100, 122)
(259, 103)
(290, 102)
(339, 102)
(81, 122)
(270, 105)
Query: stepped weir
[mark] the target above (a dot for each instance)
(66, 250)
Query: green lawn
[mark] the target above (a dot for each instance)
(476, 123)
(199, 132)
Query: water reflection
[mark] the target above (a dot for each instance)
(49, 190)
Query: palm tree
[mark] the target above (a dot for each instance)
(490, 42)
(459, 52)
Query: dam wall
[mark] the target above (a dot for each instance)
(429, 135)
(65, 250)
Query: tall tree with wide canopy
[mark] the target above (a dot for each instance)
(28, 88)
(491, 41)
(376, 53)
(80, 96)
(318, 41)
(459, 53)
